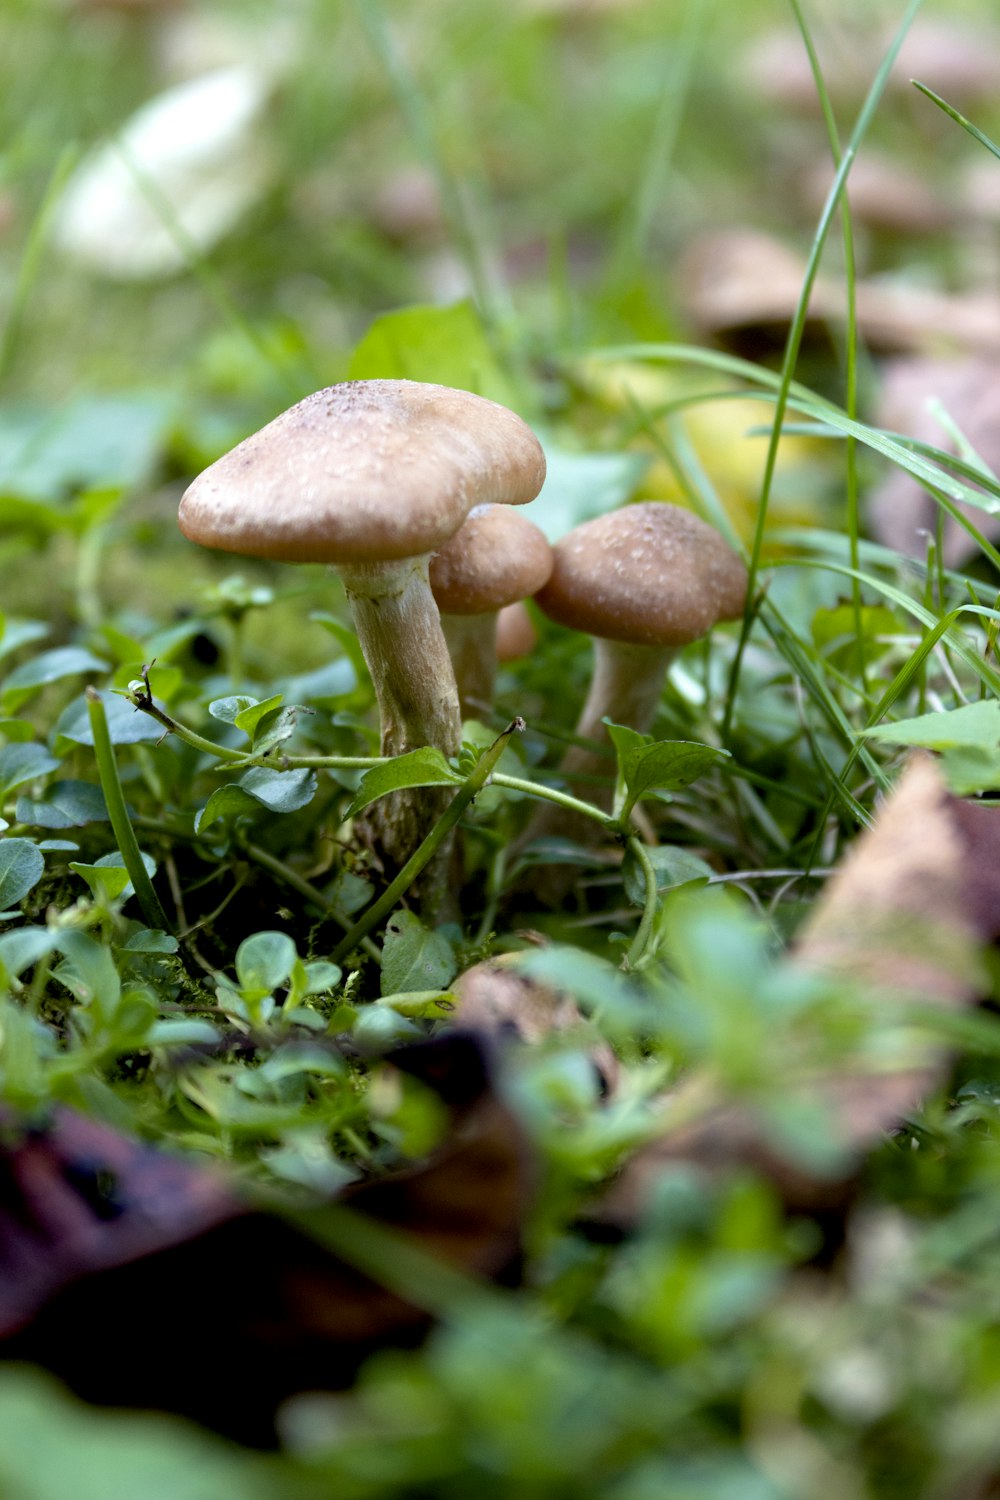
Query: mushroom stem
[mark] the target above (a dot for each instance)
(472, 645)
(399, 630)
(625, 687)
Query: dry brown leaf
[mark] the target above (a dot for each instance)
(496, 998)
(906, 914)
(145, 1280)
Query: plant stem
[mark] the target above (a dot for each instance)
(143, 700)
(124, 833)
(448, 820)
(561, 799)
(637, 949)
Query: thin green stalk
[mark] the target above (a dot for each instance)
(412, 102)
(795, 339)
(550, 794)
(637, 949)
(142, 699)
(422, 856)
(107, 768)
(851, 349)
(31, 260)
(649, 191)
(953, 114)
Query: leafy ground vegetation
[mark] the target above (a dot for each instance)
(660, 1161)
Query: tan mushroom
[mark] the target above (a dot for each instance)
(372, 476)
(643, 581)
(516, 633)
(496, 558)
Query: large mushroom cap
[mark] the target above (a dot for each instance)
(371, 470)
(651, 575)
(495, 558)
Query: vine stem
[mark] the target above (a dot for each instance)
(561, 799)
(637, 948)
(121, 826)
(141, 698)
(470, 788)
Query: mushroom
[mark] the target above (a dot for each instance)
(643, 581)
(495, 559)
(516, 633)
(372, 476)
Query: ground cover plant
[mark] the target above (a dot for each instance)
(633, 1130)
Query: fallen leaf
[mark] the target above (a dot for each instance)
(145, 1280)
(905, 916)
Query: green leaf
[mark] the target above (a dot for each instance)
(226, 802)
(250, 717)
(835, 633)
(23, 762)
(444, 344)
(662, 765)
(423, 767)
(150, 940)
(346, 639)
(107, 877)
(414, 957)
(277, 727)
(227, 709)
(579, 486)
(280, 791)
(66, 804)
(92, 442)
(50, 666)
(16, 731)
(55, 1446)
(106, 885)
(246, 713)
(429, 1004)
(22, 948)
(321, 975)
(968, 739)
(126, 725)
(22, 865)
(977, 725)
(674, 866)
(264, 962)
(88, 971)
(181, 1031)
(16, 633)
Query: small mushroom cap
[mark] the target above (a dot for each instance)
(649, 575)
(516, 633)
(367, 471)
(495, 558)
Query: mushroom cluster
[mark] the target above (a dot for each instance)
(405, 488)
(372, 477)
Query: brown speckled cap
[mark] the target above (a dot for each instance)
(652, 574)
(495, 558)
(367, 471)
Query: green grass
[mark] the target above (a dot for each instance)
(721, 1346)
